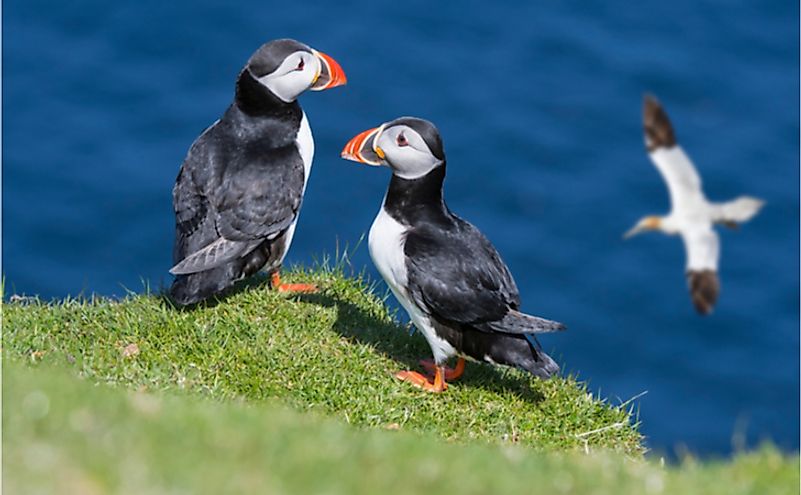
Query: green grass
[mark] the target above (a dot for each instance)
(267, 393)
(63, 435)
(333, 352)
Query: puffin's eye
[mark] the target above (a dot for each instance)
(401, 140)
(301, 65)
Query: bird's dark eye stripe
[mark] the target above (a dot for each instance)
(401, 140)
(301, 64)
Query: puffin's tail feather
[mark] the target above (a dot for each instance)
(518, 351)
(516, 322)
(187, 290)
(541, 365)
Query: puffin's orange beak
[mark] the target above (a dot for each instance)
(363, 149)
(331, 74)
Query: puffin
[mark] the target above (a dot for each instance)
(240, 188)
(443, 271)
(692, 216)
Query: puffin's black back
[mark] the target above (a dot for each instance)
(456, 275)
(242, 179)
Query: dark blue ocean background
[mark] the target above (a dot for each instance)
(539, 107)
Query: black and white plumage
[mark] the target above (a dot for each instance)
(692, 215)
(442, 269)
(240, 188)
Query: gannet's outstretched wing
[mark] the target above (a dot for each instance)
(703, 250)
(683, 181)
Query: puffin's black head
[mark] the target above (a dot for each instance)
(288, 68)
(411, 147)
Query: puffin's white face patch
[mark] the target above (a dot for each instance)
(295, 75)
(406, 152)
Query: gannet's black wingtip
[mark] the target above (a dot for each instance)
(656, 125)
(704, 288)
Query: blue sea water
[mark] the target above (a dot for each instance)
(539, 107)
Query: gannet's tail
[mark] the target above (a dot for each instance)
(737, 211)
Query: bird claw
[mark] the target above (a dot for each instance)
(421, 381)
(450, 373)
(275, 282)
(298, 288)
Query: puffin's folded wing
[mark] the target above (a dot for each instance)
(459, 276)
(215, 254)
(194, 222)
(260, 202)
(191, 207)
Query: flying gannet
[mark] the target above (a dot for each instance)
(692, 216)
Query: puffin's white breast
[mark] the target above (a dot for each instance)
(305, 144)
(386, 242)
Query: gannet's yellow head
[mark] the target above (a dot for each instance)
(647, 223)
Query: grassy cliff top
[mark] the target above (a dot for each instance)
(268, 393)
(65, 435)
(334, 352)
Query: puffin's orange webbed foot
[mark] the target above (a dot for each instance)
(421, 381)
(451, 374)
(275, 281)
(298, 288)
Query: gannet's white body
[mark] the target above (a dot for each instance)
(692, 216)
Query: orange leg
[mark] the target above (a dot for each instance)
(451, 374)
(302, 288)
(421, 381)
